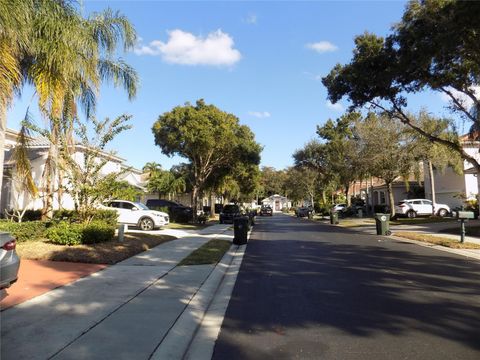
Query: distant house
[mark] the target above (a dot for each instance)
(277, 202)
(38, 150)
(452, 188)
(378, 194)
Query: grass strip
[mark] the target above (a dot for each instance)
(421, 220)
(209, 253)
(436, 240)
(469, 230)
(109, 252)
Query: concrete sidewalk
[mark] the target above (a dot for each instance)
(130, 310)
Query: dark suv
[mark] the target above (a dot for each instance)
(177, 212)
(266, 210)
(229, 212)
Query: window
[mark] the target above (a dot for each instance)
(127, 206)
(427, 202)
(417, 202)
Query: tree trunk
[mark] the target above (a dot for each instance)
(324, 197)
(391, 199)
(432, 186)
(195, 202)
(3, 130)
(212, 204)
(367, 197)
(347, 194)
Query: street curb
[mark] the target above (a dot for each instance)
(194, 334)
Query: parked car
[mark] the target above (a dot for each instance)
(339, 207)
(9, 260)
(415, 207)
(176, 211)
(304, 212)
(137, 214)
(229, 212)
(266, 210)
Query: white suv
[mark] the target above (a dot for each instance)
(413, 207)
(137, 214)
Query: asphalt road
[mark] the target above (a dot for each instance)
(312, 291)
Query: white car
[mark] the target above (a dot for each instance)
(137, 214)
(414, 207)
(339, 207)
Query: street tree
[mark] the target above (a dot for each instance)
(388, 149)
(208, 137)
(415, 57)
(341, 152)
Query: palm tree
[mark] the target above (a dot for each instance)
(14, 28)
(66, 58)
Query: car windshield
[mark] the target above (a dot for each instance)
(141, 206)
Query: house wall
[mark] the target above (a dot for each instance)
(449, 186)
(13, 198)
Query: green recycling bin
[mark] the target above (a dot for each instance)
(333, 217)
(382, 223)
(240, 230)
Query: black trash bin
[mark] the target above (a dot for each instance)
(382, 223)
(240, 230)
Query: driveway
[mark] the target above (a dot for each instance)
(312, 291)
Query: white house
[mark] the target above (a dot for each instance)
(277, 202)
(11, 197)
(452, 188)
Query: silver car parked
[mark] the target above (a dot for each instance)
(9, 260)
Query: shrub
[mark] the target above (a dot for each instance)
(109, 217)
(32, 215)
(25, 231)
(65, 215)
(97, 231)
(65, 233)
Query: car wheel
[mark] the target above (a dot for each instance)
(411, 214)
(442, 212)
(146, 224)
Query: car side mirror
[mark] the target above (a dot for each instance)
(134, 209)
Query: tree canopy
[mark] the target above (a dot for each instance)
(208, 137)
(417, 56)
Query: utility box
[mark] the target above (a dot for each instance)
(240, 230)
(382, 223)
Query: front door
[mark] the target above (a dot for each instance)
(277, 205)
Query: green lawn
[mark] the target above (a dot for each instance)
(209, 253)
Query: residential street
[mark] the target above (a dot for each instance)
(312, 291)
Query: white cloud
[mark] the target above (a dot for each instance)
(335, 107)
(461, 97)
(259, 114)
(322, 47)
(251, 19)
(182, 47)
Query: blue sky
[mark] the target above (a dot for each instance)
(261, 61)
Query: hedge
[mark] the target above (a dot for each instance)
(66, 233)
(25, 231)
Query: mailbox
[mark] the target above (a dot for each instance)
(464, 215)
